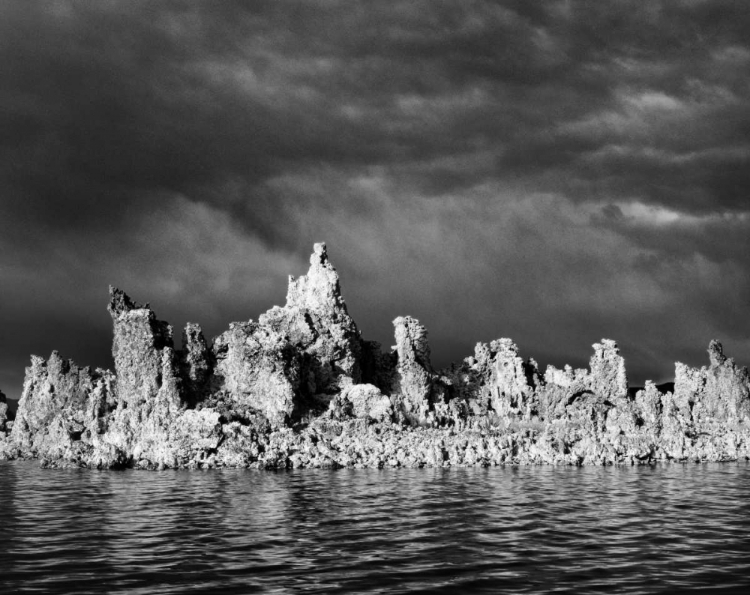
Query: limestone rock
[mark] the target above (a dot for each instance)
(413, 379)
(141, 428)
(295, 358)
(3, 414)
(509, 382)
(55, 417)
(674, 440)
(608, 378)
(196, 364)
(649, 407)
(137, 347)
(333, 340)
(340, 408)
(603, 386)
(717, 394)
(512, 380)
(560, 389)
(378, 368)
(466, 384)
(259, 370)
(363, 401)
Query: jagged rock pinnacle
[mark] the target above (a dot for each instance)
(120, 302)
(320, 253)
(716, 353)
(608, 376)
(319, 290)
(413, 378)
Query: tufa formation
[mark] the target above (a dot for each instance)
(300, 387)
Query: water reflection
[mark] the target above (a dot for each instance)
(530, 529)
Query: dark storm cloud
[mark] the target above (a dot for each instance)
(554, 172)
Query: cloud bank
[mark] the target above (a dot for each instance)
(556, 173)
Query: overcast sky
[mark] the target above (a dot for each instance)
(553, 172)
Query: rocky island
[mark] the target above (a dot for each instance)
(300, 387)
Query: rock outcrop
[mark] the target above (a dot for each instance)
(299, 387)
(150, 424)
(295, 358)
(258, 370)
(717, 394)
(412, 382)
(496, 382)
(363, 401)
(335, 343)
(3, 415)
(61, 409)
(196, 364)
(142, 348)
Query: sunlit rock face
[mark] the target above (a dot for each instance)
(363, 401)
(69, 415)
(150, 406)
(258, 370)
(334, 343)
(300, 387)
(61, 410)
(497, 381)
(139, 346)
(649, 406)
(717, 394)
(608, 377)
(586, 395)
(296, 357)
(412, 382)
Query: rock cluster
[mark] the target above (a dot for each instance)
(300, 387)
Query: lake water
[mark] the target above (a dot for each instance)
(670, 528)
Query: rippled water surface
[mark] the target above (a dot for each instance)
(521, 530)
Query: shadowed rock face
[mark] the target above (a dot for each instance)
(196, 364)
(300, 387)
(3, 414)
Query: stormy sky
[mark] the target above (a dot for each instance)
(553, 172)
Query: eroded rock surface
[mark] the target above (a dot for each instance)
(60, 409)
(3, 415)
(335, 343)
(196, 364)
(363, 401)
(294, 359)
(299, 387)
(717, 394)
(139, 344)
(258, 370)
(496, 382)
(412, 382)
